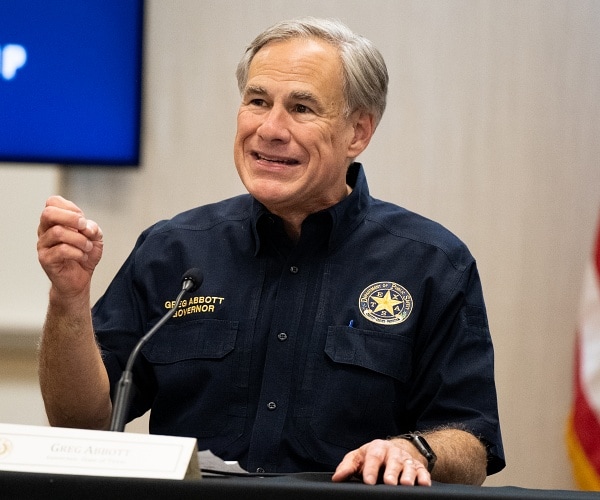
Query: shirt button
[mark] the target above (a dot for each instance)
(282, 336)
(260, 470)
(294, 270)
(271, 405)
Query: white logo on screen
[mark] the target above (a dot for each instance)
(12, 58)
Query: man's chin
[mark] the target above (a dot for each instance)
(269, 191)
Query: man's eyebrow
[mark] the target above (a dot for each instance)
(306, 96)
(255, 89)
(297, 95)
(303, 95)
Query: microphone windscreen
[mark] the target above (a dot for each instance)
(195, 276)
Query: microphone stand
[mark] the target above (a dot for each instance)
(123, 394)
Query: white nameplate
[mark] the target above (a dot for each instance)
(58, 450)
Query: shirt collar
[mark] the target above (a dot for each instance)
(345, 216)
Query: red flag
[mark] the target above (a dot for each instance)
(583, 429)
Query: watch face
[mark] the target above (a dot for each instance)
(422, 445)
(421, 440)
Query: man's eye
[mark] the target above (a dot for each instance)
(301, 108)
(257, 102)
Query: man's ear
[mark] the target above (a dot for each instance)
(364, 128)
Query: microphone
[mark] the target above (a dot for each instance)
(191, 281)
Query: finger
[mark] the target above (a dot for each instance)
(395, 461)
(60, 202)
(53, 215)
(393, 471)
(64, 236)
(412, 473)
(377, 453)
(423, 476)
(59, 211)
(350, 465)
(92, 231)
(60, 255)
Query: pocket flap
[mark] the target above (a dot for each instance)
(386, 353)
(201, 339)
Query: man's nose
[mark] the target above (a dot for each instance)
(275, 125)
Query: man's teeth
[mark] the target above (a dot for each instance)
(277, 160)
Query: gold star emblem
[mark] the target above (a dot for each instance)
(386, 303)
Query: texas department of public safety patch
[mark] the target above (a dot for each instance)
(385, 303)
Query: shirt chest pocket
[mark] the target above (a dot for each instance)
(202, 339)
(195, 365)
(384, 353)
(361, 391)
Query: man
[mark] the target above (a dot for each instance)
(332, 332)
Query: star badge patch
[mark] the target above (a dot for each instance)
(385, 303)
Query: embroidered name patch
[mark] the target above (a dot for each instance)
(195, 305)
(385, 303)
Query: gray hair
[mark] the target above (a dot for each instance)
(365, 74)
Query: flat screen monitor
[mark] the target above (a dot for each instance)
(71, 81)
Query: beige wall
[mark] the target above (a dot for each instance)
(492, 128)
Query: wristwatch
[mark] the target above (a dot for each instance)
(423, 446)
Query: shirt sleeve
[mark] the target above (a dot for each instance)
(454, 380)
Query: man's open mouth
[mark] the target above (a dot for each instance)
(275, 159)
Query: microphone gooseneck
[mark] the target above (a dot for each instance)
(191, 281)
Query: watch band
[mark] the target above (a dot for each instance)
(421, 444)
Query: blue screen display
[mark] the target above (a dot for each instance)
(70, 81)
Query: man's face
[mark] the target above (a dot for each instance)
(293, 143)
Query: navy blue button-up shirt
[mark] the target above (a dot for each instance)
(292, 354)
